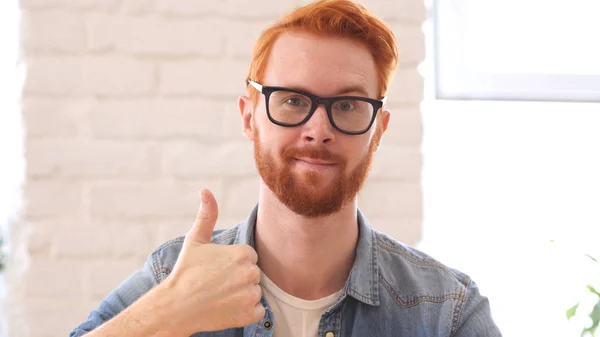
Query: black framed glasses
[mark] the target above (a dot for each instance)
(352, 115)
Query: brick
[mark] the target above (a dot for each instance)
(52, 30)
(56, 323)
(411, 43)
(393, 10)
(404, 128)
(45, 117)
(81, 241)
(187, 7)
(68, 75)
(404, 229)
(391, 198)
(52, 279)
(52, 198)
(397, 10)
(40, 235)
(52, 316)
(35, 306)
(397, 162)
(173, 229)
(91, 158)
(98, 5)
(160, 118)
(102, 276)
(209, 77)
(407, 86)
(131, 200)
(136, 7)
(55, 75)
(67, 237)
(240, 37)
(202, 159)
(120, 76)
(102, 31)
(119, 239)
(240, 196)
(232, 122)
(155, 35)
(254, 9)
(131, 240)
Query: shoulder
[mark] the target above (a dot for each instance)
(164, 257)
(412, 275)
(410, 278)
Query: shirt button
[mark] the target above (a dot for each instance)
(268, 325)
(329, 334)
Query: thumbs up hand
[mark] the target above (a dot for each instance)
(216, 287)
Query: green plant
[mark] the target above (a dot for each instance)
(594, 314)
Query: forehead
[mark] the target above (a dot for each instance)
(321, 65)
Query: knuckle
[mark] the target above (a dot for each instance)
(252, 315)
(259, 313)
(245, 252)
(250, 297)
(256, 295)
(201, 215)
(253, 275)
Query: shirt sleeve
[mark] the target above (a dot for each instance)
(475, 318)
(136, 285)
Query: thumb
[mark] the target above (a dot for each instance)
(206, 219)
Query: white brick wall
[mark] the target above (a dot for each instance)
(129, 108)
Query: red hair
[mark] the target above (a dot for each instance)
(336, 18)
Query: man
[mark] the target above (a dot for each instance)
(305, 262)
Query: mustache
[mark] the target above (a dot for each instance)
(313, 153)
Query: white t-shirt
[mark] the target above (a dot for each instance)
(294, 317)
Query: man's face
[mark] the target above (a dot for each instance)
(314, 169)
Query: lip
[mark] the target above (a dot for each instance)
(316, 161)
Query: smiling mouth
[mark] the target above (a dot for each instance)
(312, 161)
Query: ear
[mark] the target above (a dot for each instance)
(247, 113)
(384, 121)
(385, 118)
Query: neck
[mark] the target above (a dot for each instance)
(308, 258)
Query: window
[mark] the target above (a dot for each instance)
(518, 49)
(503, 177)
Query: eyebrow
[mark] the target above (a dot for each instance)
(353, 88)
(343, 91)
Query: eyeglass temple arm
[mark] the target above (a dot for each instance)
(255, 85)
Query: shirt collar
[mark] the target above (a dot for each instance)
(363, 282)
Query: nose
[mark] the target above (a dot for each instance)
(318, 129)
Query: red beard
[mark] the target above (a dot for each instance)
(309, 195)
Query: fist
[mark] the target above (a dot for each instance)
(216, 286)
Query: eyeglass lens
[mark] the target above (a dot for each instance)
(292, 108)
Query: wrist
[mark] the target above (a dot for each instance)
(163, 306)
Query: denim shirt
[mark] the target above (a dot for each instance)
(392, 290)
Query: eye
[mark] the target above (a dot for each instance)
(294, 101)
(345, 106)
